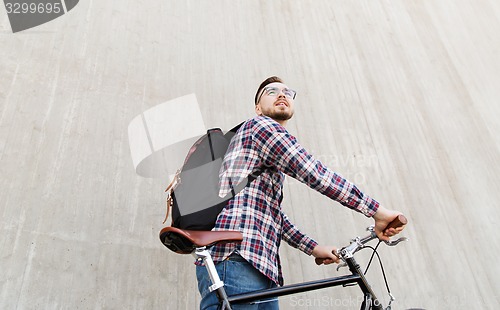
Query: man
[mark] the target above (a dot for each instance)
(263, 143)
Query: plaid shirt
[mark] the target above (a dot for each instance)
(255, 211)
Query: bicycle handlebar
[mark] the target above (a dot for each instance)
(399, 221)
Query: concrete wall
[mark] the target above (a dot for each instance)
(401, 97)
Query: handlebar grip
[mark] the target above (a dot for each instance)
(319, 261)
(399, 221)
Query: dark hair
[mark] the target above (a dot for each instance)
(269, 80)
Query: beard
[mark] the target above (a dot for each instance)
(279, 115)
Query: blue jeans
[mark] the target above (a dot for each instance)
(238, 276)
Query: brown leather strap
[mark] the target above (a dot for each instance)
(168, 203)
(171, 187)
(174, 182)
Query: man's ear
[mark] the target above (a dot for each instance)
(258, 110)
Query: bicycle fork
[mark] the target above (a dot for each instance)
(370, 301)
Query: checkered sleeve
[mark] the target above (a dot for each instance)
(278, 148)
(294, 237)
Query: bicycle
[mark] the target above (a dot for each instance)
(197, 242)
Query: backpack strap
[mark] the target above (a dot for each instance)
(255, 174)
(170, 189)
(233, 131)
(168, 203)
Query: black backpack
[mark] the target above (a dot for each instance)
(194, 193)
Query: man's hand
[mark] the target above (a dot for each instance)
(326, 253)
(382, 218)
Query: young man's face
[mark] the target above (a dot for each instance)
(276, 101)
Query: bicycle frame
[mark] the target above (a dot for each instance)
(356, 277)
(370, 300)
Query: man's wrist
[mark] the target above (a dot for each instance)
(308, 247)
(379, 213)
